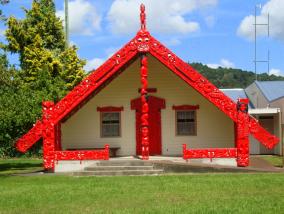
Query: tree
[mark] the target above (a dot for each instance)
(39, 40)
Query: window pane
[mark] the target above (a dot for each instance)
(110, 124)
(186, 124)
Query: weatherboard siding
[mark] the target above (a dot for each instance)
(256, 96)
(214, 128)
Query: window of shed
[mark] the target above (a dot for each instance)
(186, 123)
(110, 124)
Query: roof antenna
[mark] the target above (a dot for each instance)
(142, 17)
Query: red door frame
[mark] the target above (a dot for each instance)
(155, 138)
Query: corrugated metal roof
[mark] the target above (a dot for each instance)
(272, 90)
(235, 94)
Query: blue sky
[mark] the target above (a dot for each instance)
(213, 32)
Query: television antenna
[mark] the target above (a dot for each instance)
(256, 61)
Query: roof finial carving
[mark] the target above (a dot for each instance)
(142, 17)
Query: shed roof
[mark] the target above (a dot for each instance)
(236, 93)
(272, 90)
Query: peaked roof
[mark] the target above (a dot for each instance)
(142, 43)
(272, 90)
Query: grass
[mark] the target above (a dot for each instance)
(198, 193)
(19, 165)
(275, 160)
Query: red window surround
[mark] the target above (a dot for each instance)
(109, 109)
(186, 107)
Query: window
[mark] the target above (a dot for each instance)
(186, 123)
(110, 124)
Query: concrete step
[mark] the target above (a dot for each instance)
(118, 172)
(117, 168)
(123, 163)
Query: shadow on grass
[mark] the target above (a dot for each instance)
(11, 167)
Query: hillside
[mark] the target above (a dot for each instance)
(231, 77)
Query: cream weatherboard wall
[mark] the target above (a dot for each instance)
(214, 128)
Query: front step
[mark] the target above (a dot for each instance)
(124, 163)
(119, 167)
(116, 168)
(119, 172)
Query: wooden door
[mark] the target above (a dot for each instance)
(155, 133)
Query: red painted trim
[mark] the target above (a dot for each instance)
(32, 136)
(209, 153)
(186, 107)
(109, 109)
(149, 90)
(102, 154)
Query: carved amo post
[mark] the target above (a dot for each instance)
(242, 133)
(49, 136)
(145, 108)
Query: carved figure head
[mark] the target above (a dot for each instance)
(143, 41)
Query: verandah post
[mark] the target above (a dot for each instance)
(242, 133)
(49, 136)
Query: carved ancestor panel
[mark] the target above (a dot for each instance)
(30, 138)
(49, 135)
(242, 133)
(209, 153)
(102, 154)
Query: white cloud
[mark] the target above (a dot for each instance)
(276, 72)
(210, 21)
(223, 63)
(83, 17)
(93, 64)
(173, 42)
(163, 16)
(275, 9)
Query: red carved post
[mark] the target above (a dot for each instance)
(145, 108)
(106, 155)
(49, 136)
(142, 17)
(184, 151)
(242, 133)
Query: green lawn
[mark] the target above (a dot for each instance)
(198, 193)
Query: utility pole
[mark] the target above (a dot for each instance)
(255, 44)
(66, 24)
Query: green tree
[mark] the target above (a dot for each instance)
(39, 40)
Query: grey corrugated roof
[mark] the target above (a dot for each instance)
(272, 90)
(235, 94)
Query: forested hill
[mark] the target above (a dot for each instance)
(231, 77)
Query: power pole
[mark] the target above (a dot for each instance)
(66, 24)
